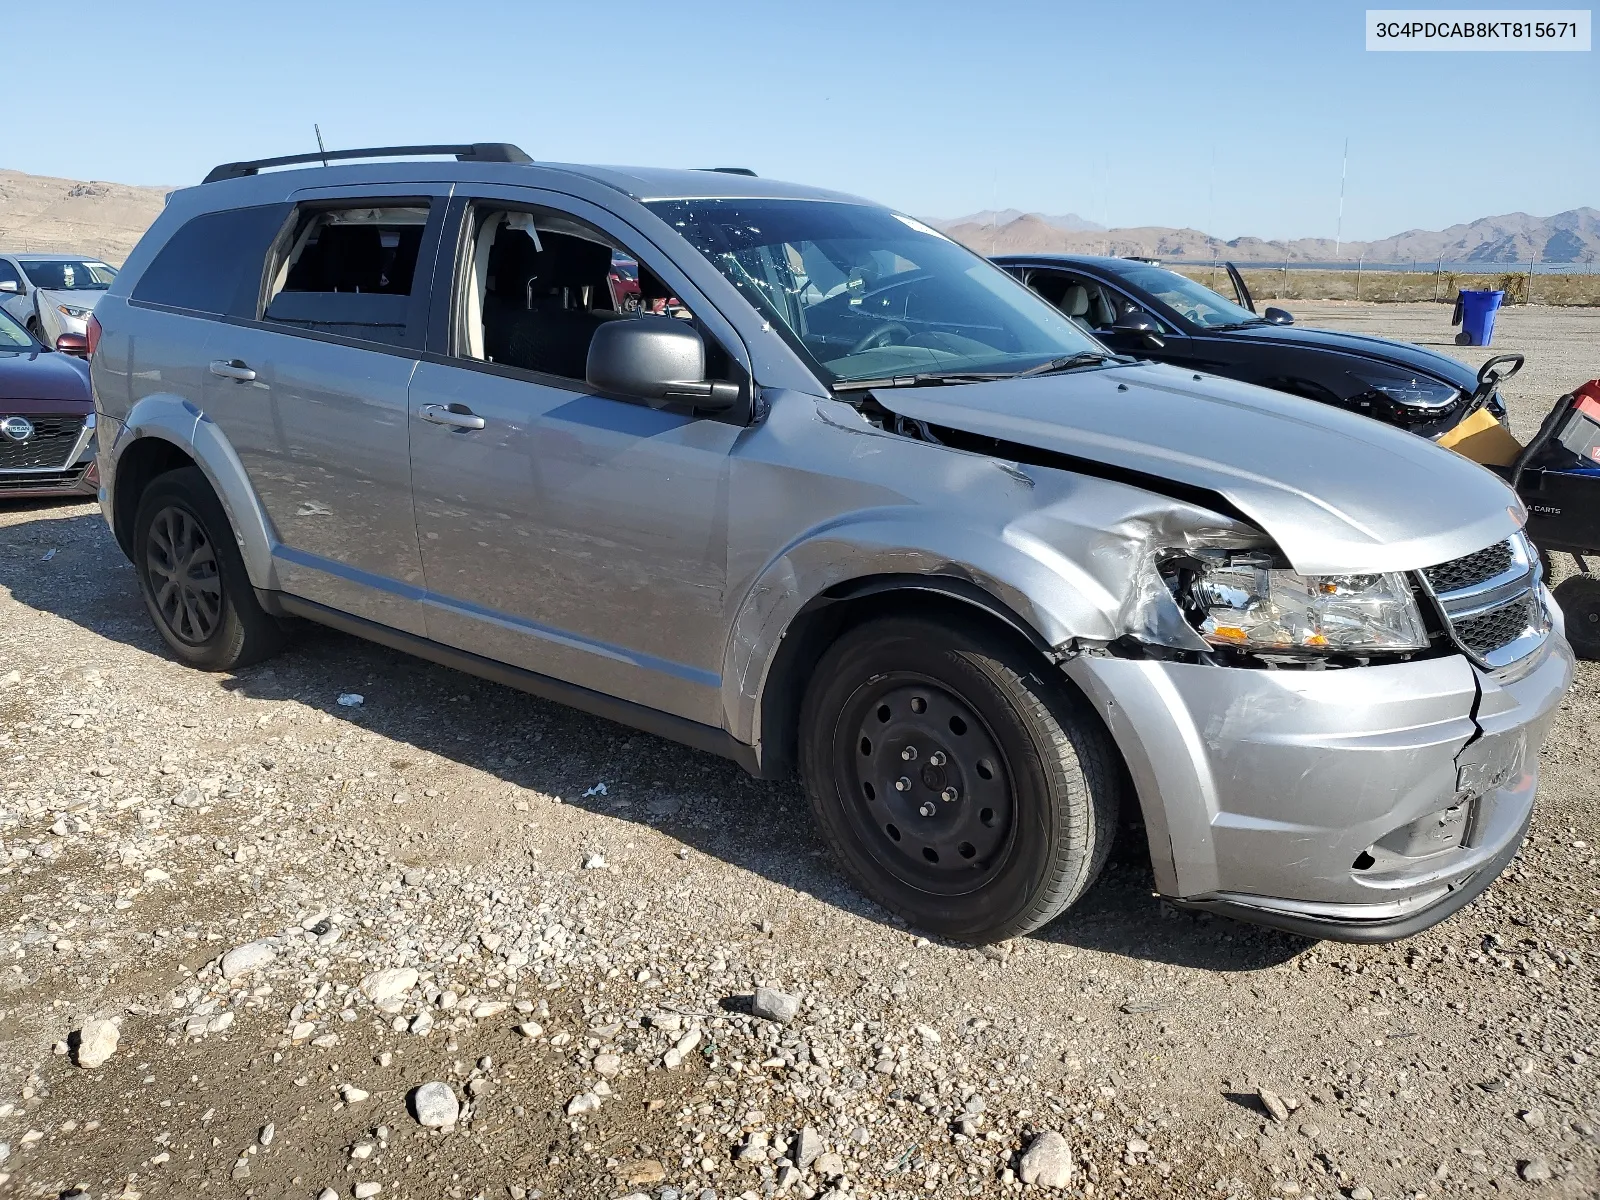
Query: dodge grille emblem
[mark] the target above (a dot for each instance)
(18, 429)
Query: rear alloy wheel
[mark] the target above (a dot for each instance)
(193, 580)
(182, 567)
(956, 786)
(1579, 597)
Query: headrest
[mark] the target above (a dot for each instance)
(1076, 301)
(568, 261)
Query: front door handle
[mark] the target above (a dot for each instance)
(232, 369)
(458, 416)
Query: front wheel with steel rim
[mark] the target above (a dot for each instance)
(959, 783)
(192, 578)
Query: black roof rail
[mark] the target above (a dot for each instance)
(496, 152)
(730, 171)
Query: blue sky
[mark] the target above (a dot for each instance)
(1114, 111)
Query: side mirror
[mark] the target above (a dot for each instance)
(12, 286)
(658, 359)
(1136, 321)
(73, 343)
(1278, 316)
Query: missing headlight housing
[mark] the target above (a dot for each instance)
(1245, 602)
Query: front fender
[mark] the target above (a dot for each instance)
(173, 419)
(1074, 571)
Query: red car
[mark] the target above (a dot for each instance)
(46, 419)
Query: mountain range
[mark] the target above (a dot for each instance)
(38, 212)
(1568, 237)
(1066, 222)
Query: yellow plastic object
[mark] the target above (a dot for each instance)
(1484, 440)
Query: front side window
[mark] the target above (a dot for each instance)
(8, 274)
(867, 293)
(12, 335)
(535, 285)
(70, 274)
(1192, 301)
(348, 270)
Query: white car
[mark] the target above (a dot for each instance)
(52, 294)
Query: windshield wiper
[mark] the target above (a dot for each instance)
(1251, 324)
(1083, 358)
(922, 379)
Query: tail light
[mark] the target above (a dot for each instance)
(93, 334)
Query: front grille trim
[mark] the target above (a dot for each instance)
(55, 438)
(1471, 570)
(1494, 608)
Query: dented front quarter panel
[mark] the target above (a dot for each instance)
(1069, 555)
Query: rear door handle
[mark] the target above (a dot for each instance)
(458, 416)
(234, 369)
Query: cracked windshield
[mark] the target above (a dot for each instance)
(870, 294)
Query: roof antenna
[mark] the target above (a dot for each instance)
(321, 149)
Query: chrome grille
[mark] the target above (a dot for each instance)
(1491, 602)
(1472, 569)
(52, 441)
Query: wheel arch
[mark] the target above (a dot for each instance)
(835, 610)
(163, 432)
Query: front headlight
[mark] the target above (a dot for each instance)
(1244, 603)
(1413, 391)
(73, 311)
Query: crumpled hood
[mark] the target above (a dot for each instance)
(1339, 493)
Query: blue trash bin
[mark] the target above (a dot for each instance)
(1477, 316)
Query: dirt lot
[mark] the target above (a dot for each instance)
(563, 922)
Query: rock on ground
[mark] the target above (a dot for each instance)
(773, 1005)
(97, 1041)
(241, 960)
(388, 984)
(1047, 1161)
(434, 1105)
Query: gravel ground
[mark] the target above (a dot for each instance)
(242, 923)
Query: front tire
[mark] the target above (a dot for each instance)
(1579, 597)
(192, 577)
(957, 785)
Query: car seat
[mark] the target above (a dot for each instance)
(553, 332)
(1075, 304)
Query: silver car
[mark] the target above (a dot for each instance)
(52, 294)
(838, 498)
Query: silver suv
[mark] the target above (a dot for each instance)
(830, 493)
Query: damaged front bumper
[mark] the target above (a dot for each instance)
(1362, 804)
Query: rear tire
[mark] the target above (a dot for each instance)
(1579, 597)
(956, 784)
(192, 577)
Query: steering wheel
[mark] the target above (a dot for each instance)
(883, 335)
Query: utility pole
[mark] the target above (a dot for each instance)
(994, 209)
(1211, 216)
(1528, 298)
(1437, 267)
(1344, 165)
(1360, 262)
